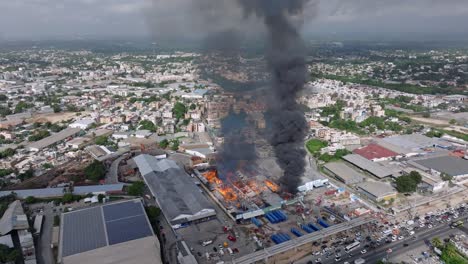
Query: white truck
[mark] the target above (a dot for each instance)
(207, 242)
(360, 261)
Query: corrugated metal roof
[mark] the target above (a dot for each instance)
(377, 189)
(367, 165)
(57, 192)
(453, 166)
(346, 173)
(174, 189)
(52, 139)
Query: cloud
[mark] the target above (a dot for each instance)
(192, 18)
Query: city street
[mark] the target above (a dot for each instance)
(397, 247)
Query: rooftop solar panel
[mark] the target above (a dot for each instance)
(82, 231)
(127, 229)
(121, 210)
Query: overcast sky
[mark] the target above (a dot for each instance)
(47, 19)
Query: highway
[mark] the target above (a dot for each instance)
(374, 255)
(294, 243)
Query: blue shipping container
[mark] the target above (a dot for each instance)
(256, 222)
(296, 232)
(307, 229)
(322, 223)
(314, 227)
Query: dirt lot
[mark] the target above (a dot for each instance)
(54, 117)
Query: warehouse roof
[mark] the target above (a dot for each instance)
(53, 139)
(377, 189)
(102, 226)
(57, 192)
(411, 142)
(174, 189)
(13, 218)
(369, 166)
(374, 151)
(453, 166)
(343, 171)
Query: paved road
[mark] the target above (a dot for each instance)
(309, 238)
(112, 176)
(397, 247)
(45, 255)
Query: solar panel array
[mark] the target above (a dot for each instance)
(85, 230)
(125, 222)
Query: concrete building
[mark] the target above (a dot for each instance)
(377, 191)
(174, 190)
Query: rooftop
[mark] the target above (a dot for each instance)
(102, 226)
(13, 218)
(367, 165)
(346, 173)
(453, 166)
(52, 139)
(377, 189)
(374, 151)
(178, 196)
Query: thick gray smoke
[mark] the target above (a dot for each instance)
(286, 60)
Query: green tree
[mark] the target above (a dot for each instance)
(101, 197)
(95, 171)
(7, 153)
(148, 125)
(3, 97)
(57, 108)
(436, 242)
(38, 135)
(179, 110)
(452, 121)
(136, 189)
(193, 106)
(408, 183)
(4, 111)
(26, 175)
(30, 200)
(68, 198)
(102, 141)
(21, 106)
(47, 166)
(164, 143)
(175, 145)
(8, 255)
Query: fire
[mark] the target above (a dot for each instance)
(212, 177)
(228, 193)
(272, 186)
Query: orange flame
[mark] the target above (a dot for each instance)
(212, 177)
(272, 186)
(228, 193)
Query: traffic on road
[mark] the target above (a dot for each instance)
(384, 237)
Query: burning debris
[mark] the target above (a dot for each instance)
(272, 186)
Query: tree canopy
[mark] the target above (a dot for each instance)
(179, 110)
(95, 171)
(408, 183)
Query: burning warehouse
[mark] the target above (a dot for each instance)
(239, 193)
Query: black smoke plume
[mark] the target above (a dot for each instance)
(286, 61)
